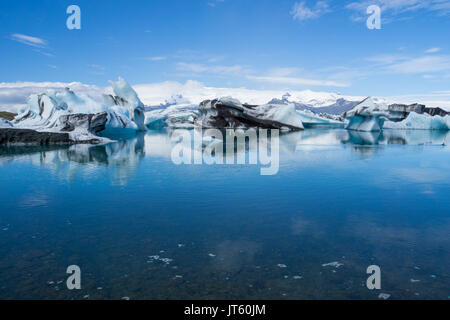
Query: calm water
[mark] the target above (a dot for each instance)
(356, 199)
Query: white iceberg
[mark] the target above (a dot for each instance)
(311, 119)
(424, 121)
(175, 116)
(81, 115)
(369, 115)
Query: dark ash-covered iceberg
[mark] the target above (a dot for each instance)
(230, 113)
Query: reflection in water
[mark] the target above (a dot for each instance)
(225, 231)
(124, 155)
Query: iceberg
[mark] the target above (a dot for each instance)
(175, 116)
(311, 119)
(5, 123)
(230, 113)
(368, 116)
(82, 116)
(416, 121)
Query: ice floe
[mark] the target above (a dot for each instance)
(334, 264)
(384, 296)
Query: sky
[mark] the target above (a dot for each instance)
(255, 44)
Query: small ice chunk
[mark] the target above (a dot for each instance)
(125, 298)
(211, 255)
(166, 260)
(334, 264)
(297, 277)
(384, 296)
(281, 265)
(414, 280)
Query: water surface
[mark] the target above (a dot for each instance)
(225, 231)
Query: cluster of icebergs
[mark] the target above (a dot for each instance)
(84, 117)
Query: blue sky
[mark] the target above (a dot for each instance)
(258, 44)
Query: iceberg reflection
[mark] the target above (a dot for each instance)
(125, 155)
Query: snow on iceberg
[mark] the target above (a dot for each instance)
(81, 115)
(175, 116)
(369, 115)
(424, 121)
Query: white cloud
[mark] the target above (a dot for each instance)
(29, 40)
(433, 50)
(215, 3)
(300, 11)
(160, 58)
(394, 7)
(294, 81)
(437, 64)
(425, 64)
(235, 70)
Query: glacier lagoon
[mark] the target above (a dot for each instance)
(142, 227)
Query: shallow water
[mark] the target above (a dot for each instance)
(359, 199)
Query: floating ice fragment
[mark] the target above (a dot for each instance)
(414, 280)
(384, 296)
(281, 265)
(297, 277)
(125, 298)
(211, 255)
(166, 260)
(334, 264)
